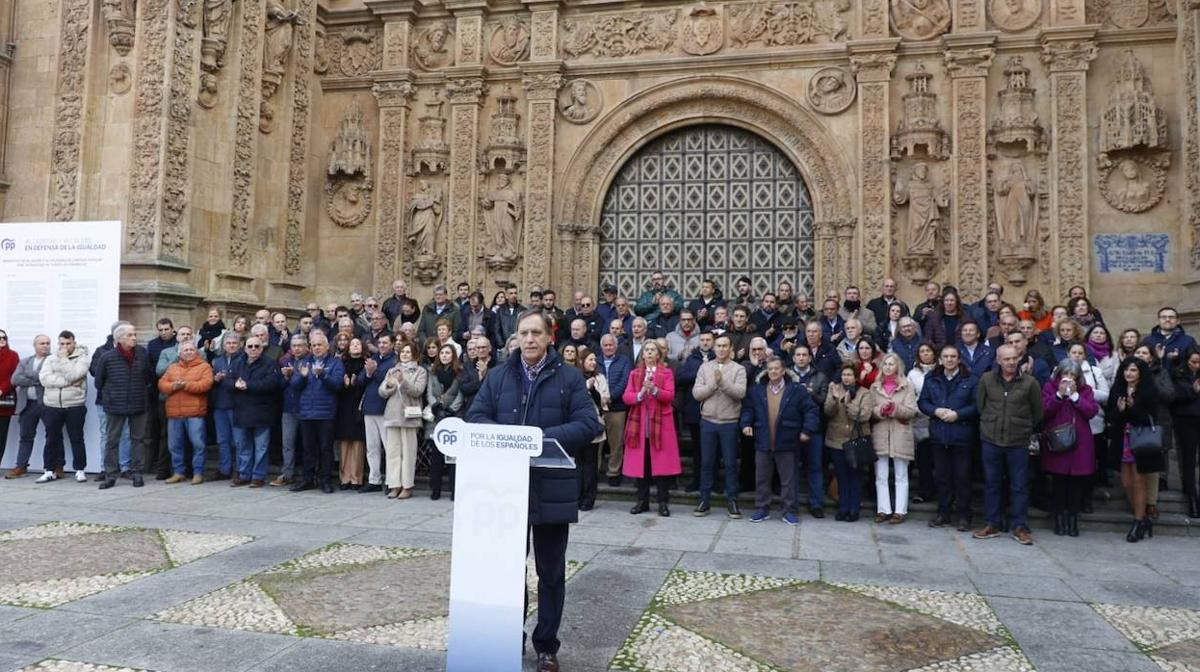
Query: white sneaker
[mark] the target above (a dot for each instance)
(46, 477)
(80, 477)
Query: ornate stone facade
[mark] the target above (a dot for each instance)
(943, 140)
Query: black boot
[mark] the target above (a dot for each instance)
(1194, 507)
(1135, 532)
(1072, 524)
(1147, 529)
(1060, 524)
(640, 507)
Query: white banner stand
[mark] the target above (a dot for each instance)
(487, 556)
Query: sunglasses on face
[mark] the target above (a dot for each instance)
(253, 347)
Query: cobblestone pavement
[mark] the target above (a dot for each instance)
(183, 578)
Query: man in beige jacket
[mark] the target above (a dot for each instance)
(720, 387)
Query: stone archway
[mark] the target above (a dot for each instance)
(686, 101)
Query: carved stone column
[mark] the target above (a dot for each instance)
(7, 18)
(393, 96)
(160, 175)
(293, 233)
(62, 202)
(825, 278)
(1067, 53)
(873, 20)
(845, 253)
(1189, 62)
(970, 16)
(466, 98)
(968, 58)
(873, 71)
(542, 82)
(245, 142)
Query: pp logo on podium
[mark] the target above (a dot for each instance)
(446, 437)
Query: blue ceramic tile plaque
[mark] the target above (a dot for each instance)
(1132, 252)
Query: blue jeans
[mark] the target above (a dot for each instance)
(849, 483)
(290, 426)
(722, 436)
(995, 460)
(227, 439)
(252, 452)
(810, 454)
(180, 432)
(123, 448)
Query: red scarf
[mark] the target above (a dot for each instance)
(127, 355)
(649, 405)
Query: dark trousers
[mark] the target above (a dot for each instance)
(158, 445)
(5, 421)
(589, 457)
(766, 465)
(316, 436)
(30, 416)
(1066, 492)
(550, 560)
(718, 437)
(697, 455)
(112, 442)
(926, 481)
(952, 469)
(1187, 447)
(438, 466)
(55, 419)
(661, 483)
(849, 482)
(997, 461)
(814, 469)
(746, 479)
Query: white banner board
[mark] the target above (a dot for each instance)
(56, 276)
(487, 554)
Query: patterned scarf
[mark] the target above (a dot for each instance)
(647, 413)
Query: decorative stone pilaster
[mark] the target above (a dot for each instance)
(245, 142)
(1067, 54)
(293, 234)
(873, 71)
(161, 164)
(396, 40)
(466, 97)
(543, 29)
(63, 197)
(1189, 61)
(468, 39)
(970, 16)
(825, 277)
(967, 61)
(844, 230)
(393, 97)
(873, 16)
(542, 83)
(1067, 13)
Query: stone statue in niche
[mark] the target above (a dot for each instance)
(1015, 15)
(217, 15)
(281, 28)
(424, 220)
(503, 212)
(429, 49)
(510, 41)
(831, 90)
(119, 16)
(920, 19)
(925, 201)
(580, 102)
(1016, 216)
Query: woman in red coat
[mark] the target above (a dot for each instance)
(651, 446)
(8, 394)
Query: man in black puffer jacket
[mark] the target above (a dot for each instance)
(123, 373)
(537, 388)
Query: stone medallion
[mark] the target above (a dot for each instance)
(372, 594)
(920, 19)
(1134, 184)
(55, 563)
(703, 31)
(1171, 637)
(1014, 15)
(702, 621)
(831, 90)
(579, 101)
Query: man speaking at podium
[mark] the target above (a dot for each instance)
(539, 389)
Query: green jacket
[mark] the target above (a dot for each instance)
(1009, 411)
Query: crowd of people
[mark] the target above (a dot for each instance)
(794, 400)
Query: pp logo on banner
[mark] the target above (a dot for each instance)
(446, 437)
(8, 244)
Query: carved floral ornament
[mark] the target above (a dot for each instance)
(620, 34)
(774, 24)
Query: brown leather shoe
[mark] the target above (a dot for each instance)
(256, 483)
(236, 482)
(176, 478)
(280, 481)
(16, 472)
(405, 494)
(896, 519)
(988, 532)
(1023, 536)
(547, 662)
(58, 473)
(881, 517)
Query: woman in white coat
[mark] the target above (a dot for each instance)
(1093, 375)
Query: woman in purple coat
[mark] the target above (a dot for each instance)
(651, 446)
(1068, 400)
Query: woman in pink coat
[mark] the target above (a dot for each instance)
(651, 446)
(1068, 400)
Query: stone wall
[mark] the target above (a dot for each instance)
(274, 152)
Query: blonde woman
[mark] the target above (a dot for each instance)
(404, 389)
(893, 407)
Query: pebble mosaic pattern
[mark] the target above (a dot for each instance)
(691, 626)
(351, 592)
(1171, 637)
(88, 559)
(73, 666)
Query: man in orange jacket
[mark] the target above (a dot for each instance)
(186, 384)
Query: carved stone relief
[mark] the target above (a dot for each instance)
(503, 214)
(920, 132)
(1016, 121)
(293, 234)
(431, 49)
(1134, 150)
(876, 205)
(580, 101)
(146, 162)
(623, 34)
(120, 78)
(216, 19)
(465, 95)
(321, 52)
(245, 140)
(1131, 13)
(68, 112)
(119, 18)
(925, 197)
(773, 24)
(431, 155)
(425, 213)
(544, 26)
(920, 19)
(703, 31)
(541, 90)
(831, 90)
(508, 41)
(1190, 69)
(277, 44)
(355, 52)
(1014, 15)
(468, 40)
(393, 114)
(177, 172)
(348, 178)
(504, 153)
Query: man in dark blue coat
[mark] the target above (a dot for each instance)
(256, 409)
(124, 373)
(617, 366)
(948, 398)
(319, 380)
(537, 388)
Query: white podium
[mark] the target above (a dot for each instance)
(487, 556)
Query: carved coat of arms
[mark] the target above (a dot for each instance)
(703, 32)
(1128, 13)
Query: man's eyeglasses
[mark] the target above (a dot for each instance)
(585, 305)
(250, 346)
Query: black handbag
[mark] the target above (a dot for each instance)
(1061, 439)
(859, 450)
(9, 400)
(1146, 440)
